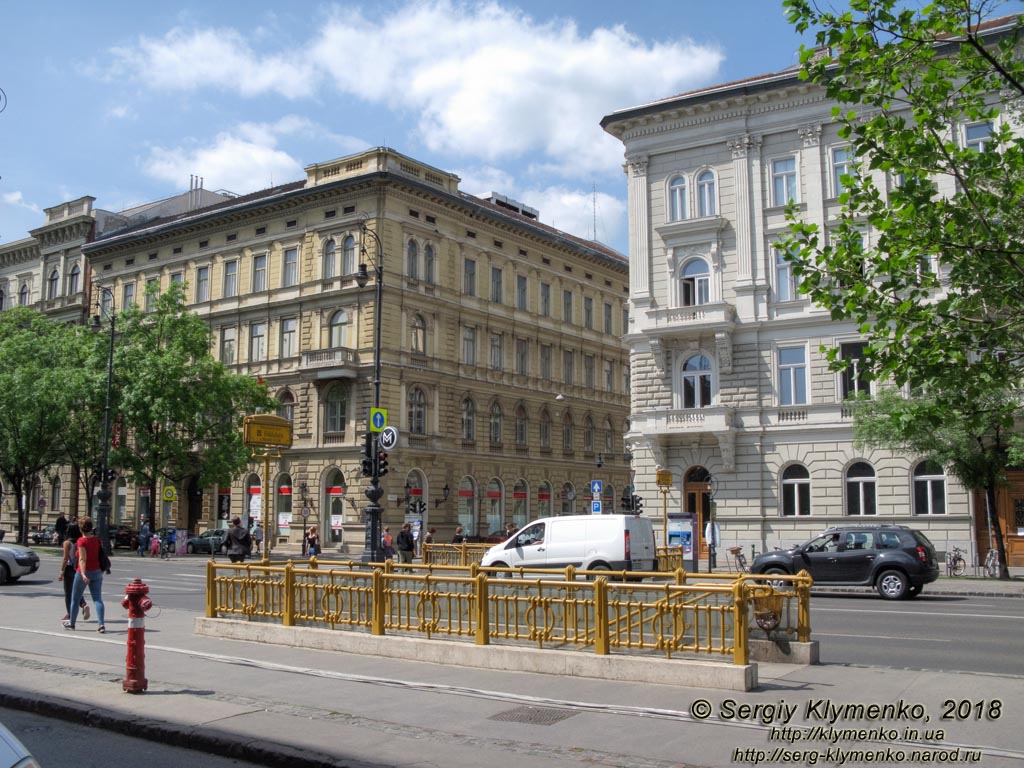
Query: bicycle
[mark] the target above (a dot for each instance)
(992, 564)
(739, 559)
(955, 563)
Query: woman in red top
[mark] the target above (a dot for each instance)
(89, 574)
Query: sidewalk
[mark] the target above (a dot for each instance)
(275, 705)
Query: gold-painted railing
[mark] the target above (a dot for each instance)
(675, 613)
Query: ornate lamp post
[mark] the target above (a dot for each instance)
(106, 475)
(372, 552)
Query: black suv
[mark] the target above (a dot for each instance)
(894, 559)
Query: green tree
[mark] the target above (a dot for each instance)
(33, 401)
(181, 410)
(939, 291)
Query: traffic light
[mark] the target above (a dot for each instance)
(637, 505)
(111, 475)
(367, 461)
(382, 464)
(421, 507)
(627, 502)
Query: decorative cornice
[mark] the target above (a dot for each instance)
(811, 134)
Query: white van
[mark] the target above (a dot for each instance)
(588, 542)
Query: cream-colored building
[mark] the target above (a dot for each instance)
(732, 391)
(502, 361)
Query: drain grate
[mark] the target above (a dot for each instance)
(533, 715)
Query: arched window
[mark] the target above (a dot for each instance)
(495, 424)
(696, 283)
(428, 263)
(522, 427)
(253, 500)
(567, 433)
(568, 499)
(495, 506)
(467, 506)
(55, 500)
(3, 298)
(53, 285)
(545, 431)
(796, 491)
(329, 263)
(520, 503)
(860, 489)
(677, 199)
(286, 406)
(707, 198)
(412, 260)
(283, 504)
(23, 296)
(348, 255)
(609, 436)
(929, 489)
(339, 329)
(588, 435)
(468, 419)
(419, 335)
(336, 409)
(417, 411)
(332, 502)
(544, 506)
(697, 382)
(73, 276)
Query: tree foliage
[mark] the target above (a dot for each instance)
(939, 287)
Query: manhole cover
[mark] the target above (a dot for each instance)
(533, 715)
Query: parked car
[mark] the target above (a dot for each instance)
(211, 541)
(894, 559)
(124, 536)
(14, 754)
(47, 535)
(16, 561)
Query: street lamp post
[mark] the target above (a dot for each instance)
(372, 552)
(103, 507)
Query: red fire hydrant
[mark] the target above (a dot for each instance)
(136, 602)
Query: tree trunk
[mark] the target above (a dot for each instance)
(997, 529)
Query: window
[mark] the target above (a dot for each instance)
(257, 341)
(545, 431)
(469, 346)
(339, 329)
(3, 298)
(419, 335)
(496, 292)
(152, 291)
(259, 273)
(589, 377)
(23, 296)
(842, 165)
(227, 346)
(53, 285)
(107, 303)
(202, 284)
(567, 306)
(796, 491)
(707, 198)
(495, 424)
(978, 136)
(677, 199)
(469, 277)
(792, 376)
(73, 277)
(607, 318)
(929, 489)
(412, 260)
(522, 427)
(336, 409)
(860, 489)
(417, 411)
(609, 376)
(696, 283)
(177, 278)
(428, 264)
(545, 362)
(697, 382)
(855, 377)
(545, 300)
(523, 357)
(290, 274)
(588, 313)
(609, 436)
(230, 279)
(588, 435)
(568, 364)
(127, 295)
(785, 281)
(286, 406)
(289, 337)
(783, 180)
(497, 351)
(468, 419)
(567, 433)
(348, 255)
(521, 295)
(328, 262)
(55, 500)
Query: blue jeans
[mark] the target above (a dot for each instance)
(95, 590)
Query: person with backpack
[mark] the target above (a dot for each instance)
(68, 567)
(238, 542)
(406, 544)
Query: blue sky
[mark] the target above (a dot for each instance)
(124, 101)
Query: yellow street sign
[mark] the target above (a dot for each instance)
(266, 430)
(378, 419)
(169, 493)
(663, 478)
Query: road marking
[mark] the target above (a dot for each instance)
(883, 637)
(945, 615)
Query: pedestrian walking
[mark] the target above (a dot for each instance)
(89, 574)
(406, 544)
(238, 542)
(60, 527)
(257, 537)
(510, 531)
(459, 537)
(312, 541)
(387, 544)
(144, 537)
(68, 566)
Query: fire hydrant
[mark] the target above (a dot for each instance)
(136, 603)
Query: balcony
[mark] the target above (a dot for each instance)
(337, 362)
(702, 317)
(689, 422)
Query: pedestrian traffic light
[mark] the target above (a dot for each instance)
(421, 507)
(367, 462)
(637, 505)
(382, 464)
(110, 476)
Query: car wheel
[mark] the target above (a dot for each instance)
(190, 548)
(597, 567)
(777, 583)
(501, 574)
(5, 573)
(892, 585)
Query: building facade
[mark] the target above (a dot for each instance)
(732, 390)
(502, 362)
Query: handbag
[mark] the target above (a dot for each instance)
(104, 560)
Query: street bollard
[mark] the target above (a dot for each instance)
(136, 603)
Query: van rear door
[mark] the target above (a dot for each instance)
(641, 543)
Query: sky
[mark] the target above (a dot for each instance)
(125, 101)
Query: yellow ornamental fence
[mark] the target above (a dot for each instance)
(683, 614)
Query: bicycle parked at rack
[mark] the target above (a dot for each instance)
(739, 560)
(955, 563)
(992, 564)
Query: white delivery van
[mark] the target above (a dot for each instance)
(588, 542)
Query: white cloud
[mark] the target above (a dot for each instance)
(122, 112)
(17, 200)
